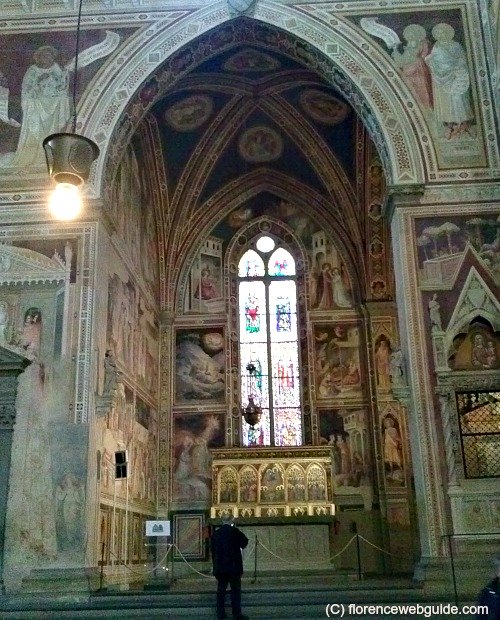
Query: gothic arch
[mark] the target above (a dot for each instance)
(335, 48)
(227, 199)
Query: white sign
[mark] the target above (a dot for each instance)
(157, 528)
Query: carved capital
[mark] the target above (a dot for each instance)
(402, 196)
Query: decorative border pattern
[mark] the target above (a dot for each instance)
(188, 535)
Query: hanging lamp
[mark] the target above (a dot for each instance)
(69, 157)
(252, 412)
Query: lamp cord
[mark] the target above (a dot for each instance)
(76, 62)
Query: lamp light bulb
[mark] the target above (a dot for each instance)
(65, 202)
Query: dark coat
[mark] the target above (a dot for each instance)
(490, 596)
(226, 545)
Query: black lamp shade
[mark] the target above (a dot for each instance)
(69, 157)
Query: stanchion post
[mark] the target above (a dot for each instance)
(101, 576)
(171, 562)
(354, 530)
(255, 560)
(452, 562)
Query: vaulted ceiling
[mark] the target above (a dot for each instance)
(253, 124)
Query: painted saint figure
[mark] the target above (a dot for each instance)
(392, 446)
(32, 330)
(324, 287)
(451, 82)
(46, 108)
(411, 62)
(481, 355)
(46, 101)
(382, 358)
(4, 321)
(434, 314)
(340, 295)
(206, 288)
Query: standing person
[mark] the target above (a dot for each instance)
(226, 545)
(490, 594)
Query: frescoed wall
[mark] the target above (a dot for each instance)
(430, 52)
(200, 366)
(337, 360)
(193, 436)
(443, 243)
(364, 153)
(36, 85)
(132, 209)
(39, 298)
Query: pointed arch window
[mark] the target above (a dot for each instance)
(268, 339)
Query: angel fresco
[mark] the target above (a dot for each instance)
(45, 101)
(438, 75)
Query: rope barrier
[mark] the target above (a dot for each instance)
(149, 570)
(375, 547)
(191, 567)
(302, 563)
(249, 551)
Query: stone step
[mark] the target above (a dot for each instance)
(269, 597)
(275, 611)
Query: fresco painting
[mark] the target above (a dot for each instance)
(49, 453)
(190, 113)
(477, 350)
(251, 60)
(428, 48)
(442, 243)
(337, 360)
(205, 293)
(322, 107)
(35, 91)
(329, 282)
(345, 431)
(193, 436)
(132, 209)
(132, 332)
(260, 144)
(200, 366)
(392, 444)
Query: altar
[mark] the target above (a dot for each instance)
(282, 500)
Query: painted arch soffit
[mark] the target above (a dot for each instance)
(343, 64)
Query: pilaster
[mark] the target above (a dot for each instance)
(419, 394)
(11, 365)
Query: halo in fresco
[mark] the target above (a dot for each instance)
(260, 144)
(322, 107)
(190, 113)
(251, 60)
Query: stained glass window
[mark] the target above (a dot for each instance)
(251, 265)
(268, 337)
